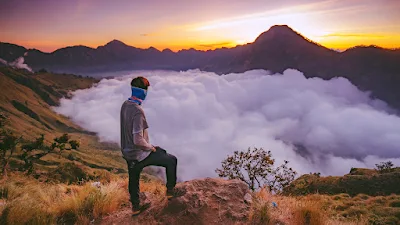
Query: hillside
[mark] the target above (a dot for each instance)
(26, 99)
(358, 181)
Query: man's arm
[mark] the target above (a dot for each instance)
(140, 141)
(138, 133)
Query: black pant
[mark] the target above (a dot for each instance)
(158, 158)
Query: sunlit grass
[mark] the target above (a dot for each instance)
(27, 201)
(340, 209)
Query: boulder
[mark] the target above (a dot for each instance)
(208, 201)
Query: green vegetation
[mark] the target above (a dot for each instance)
(26, 111)
(23, 108)
(384, 167)
(8, 144)
(359, 181)
(30, 152)
(376, 210)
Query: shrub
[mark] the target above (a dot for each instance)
(8, 144)
(395, 203)
(71, 157)
(362, 196)
(340, 196)
(74, 144)
(384, 167)
(69, 173)
(377, 220)
(43, 70)
(256, 168)
(33, 151)
(354, 212)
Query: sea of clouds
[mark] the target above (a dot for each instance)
(317, 125)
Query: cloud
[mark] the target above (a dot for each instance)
(318, 125)
(325, 7)
(18, 63)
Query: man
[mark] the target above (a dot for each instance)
(136, 147)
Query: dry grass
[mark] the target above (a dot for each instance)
(286, 210)
(27, 201)
(88, 202)
(318, 209)
(311, 210)
(261, 211)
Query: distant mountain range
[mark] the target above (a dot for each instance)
(369, 67)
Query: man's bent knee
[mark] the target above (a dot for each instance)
(173, 159)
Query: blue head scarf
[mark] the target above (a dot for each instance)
(138, 95)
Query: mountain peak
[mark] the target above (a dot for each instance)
(151, 48)
(115, 43)
(280, 28)
(167, 50)
(277, 32)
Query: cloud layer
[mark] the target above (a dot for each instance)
(319, 126)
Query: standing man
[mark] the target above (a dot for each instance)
(136, 148)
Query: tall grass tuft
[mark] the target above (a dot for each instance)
(31, 202)
(309, 214)
(260, 213)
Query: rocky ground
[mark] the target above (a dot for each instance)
(206, 201)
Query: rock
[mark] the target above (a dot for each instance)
(96, 184)
(208, 201)
(145, 197)
(248, 198)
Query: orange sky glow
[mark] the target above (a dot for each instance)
(48, 25)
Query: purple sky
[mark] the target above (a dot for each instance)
(49, 24)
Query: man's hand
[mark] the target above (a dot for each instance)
(153, 149)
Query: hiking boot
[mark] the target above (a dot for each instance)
(174, 193)
(137, 209)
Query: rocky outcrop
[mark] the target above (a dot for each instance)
(209, 201)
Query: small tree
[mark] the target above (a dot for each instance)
(8, 144)
(34, 151)
(31, 151)
(384, 167)
(256, 168)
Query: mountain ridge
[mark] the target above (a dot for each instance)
(370, 68)
(280, 29)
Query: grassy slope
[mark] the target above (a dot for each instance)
(27, 201)
(358, 181)
(27, 100)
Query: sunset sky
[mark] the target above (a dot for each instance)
(205, 24)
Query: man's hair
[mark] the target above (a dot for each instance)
(140, 82)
